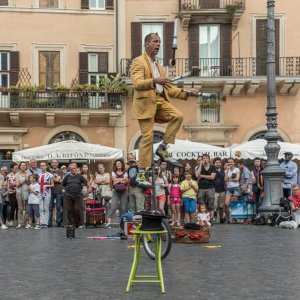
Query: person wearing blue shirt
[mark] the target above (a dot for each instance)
(290, 177)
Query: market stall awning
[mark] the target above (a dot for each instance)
(256, 148)
(71, 150)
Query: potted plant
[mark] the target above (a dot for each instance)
(113, 87)
(231, 8)
(209, 104)
(61, 88)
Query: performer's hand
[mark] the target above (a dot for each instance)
(193, 92)
(161, 80)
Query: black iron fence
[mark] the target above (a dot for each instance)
(230, 5)
(60, 99)
(223, 67)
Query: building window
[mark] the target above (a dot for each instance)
(4, 69)
(3, 2)
(49, 3)
(92, 65)
(6, 154)
(4, 63)
(154, 28)
(97, 66)
(210, 107)
(97, 4)
(49, 68)
(66, 136)
(209, 49)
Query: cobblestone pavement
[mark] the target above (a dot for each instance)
(255, 262)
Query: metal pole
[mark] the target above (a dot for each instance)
(273, 174)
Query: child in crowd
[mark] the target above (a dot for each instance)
(34, 202)
(203, 216)
(189, 190)
(175, 201)
(161, 182)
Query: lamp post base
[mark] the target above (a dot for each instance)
(273, 176)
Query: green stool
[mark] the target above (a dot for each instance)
(133, 278)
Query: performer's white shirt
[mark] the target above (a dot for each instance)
(159, 88)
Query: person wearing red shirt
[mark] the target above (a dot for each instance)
(295, 203)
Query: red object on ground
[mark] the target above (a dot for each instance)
(180, 234)
(195, 236)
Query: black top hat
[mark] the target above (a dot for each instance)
(151, 221)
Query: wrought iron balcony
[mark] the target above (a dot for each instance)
(218, 11)
(197, 5)
(67, 100)
(218, 67)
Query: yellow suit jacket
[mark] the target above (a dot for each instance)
(144, 97)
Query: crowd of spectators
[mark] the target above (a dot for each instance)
(39, 197)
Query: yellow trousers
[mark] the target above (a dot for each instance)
(165, 113)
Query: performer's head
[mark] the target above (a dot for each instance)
(152, 44)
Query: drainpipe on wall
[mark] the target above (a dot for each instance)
(117, 34)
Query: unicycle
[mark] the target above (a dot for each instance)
(149, 241)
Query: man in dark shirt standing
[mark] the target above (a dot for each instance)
(219, 189)
(56, 194)
(206, 176)
(72, 184)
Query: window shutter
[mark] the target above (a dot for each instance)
(85, 4)
(109, 4)
(225, 51)
(14, 67)
(207, 4)
(194, 45)
(83, 67)
(262, 46)
(168, 41)
(103, 62)
(136, 39)
(3, 2)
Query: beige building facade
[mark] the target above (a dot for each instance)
(221, 49)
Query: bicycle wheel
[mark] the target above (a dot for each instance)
(150, 243)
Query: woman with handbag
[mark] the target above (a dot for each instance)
(232, 181)
(46, 183)
(119, 195)
(104, 192)
(87, 191)
(22, 194)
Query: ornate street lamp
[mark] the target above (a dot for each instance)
(273, 174)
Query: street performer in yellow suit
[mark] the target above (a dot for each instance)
(151, 103)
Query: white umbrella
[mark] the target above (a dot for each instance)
(256, 148)
(68, 150)
(191, 150)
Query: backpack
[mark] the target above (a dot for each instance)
(120, 187)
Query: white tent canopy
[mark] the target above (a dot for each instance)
(71, 150)
(191, 150)
(256, 148)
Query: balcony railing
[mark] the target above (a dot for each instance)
(59, 100)
(218, 67)
(229, 5)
